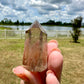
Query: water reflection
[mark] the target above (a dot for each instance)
(47, 28)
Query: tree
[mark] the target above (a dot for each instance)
(22, 23)
(17, 22)
(76, 25)
(10, 22)
(58, 23)
(50, 22)
(2, 22)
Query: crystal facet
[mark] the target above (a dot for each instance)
(35, 50)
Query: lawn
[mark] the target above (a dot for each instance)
(11, 53)
(2, 28)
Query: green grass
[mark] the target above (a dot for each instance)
(9, 33)
(11, 53)
(2, 28)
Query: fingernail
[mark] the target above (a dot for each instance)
(55, 49)
(50, 72)
(54, 41)
(19, 71)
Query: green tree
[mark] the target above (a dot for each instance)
(17, 22)
(22, 23)
(10, 22)
(76, 25)
(58, 23)
(50, 22)
(2, 22)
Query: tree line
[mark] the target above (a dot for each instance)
(6, 21)
(58, 23)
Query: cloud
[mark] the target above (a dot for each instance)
(19, 8)
(4, 2)
(42, 10)
(58, 1)
(10, 16)
(19, 5)
(1, 6)
(76, 7)
(42, 7)
(50, 7)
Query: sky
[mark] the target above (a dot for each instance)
(41, 10)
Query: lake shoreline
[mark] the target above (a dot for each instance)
(41, 24)
(46, 27)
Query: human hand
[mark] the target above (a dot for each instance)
(51, 75)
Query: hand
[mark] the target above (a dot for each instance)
(50, 76)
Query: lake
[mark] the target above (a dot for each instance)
(51, 30)
(47, 28)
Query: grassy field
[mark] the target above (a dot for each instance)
(11, 53)
(2, 28)
(10, 33)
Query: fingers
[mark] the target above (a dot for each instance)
(51, 78)
(53, 44)
(27, 76)
(55, 63)
(55, 59)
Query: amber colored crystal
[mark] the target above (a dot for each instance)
(35, 50)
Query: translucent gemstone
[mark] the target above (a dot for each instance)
(35, 50)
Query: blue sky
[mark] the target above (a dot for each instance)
(42, 10)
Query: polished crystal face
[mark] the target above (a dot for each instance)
(35, 50)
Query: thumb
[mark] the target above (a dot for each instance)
(51, 78)
(27, 76)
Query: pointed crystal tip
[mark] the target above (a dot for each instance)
(36, 24)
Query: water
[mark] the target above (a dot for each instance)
(47, 28)
(51, 30)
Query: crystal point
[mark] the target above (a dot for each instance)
(35, 50)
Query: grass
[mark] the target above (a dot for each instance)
(2, 28)
(9, 33)
(11, 53)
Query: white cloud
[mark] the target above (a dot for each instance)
(4, 2)
(43, 10)
(44, 7)
(58, 1)
(75, 7)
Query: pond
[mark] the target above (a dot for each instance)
(60, 28)
(51, 30)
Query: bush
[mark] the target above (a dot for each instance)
(76, 25)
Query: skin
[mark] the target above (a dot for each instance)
(52, 75)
